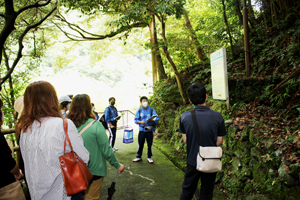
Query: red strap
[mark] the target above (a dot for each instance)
(66, 135)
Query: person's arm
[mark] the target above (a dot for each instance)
(17, 172)
(116, 112)
(137, 118)
(9, 162)
(219, 141)
(107, 117)
(107, 114)
(221, 131)
(184, 138)
(182, 130)
(106, 149)
(110, 125)
(77, 142)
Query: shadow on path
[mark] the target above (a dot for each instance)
(142, 181)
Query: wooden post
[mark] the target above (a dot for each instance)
(246, 38)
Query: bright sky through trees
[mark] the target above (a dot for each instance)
(100, 69)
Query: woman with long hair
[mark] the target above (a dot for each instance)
(95, 141)
(42, 136)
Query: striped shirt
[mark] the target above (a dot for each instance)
(41, 147)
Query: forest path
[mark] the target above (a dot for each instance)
(143, 181)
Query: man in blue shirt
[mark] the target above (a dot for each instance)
(110, 117)
(212, 129)
(146, 128)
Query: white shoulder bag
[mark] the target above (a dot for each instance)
(209, 159)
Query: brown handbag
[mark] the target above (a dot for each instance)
(75, 173)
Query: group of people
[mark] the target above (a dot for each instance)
(41, 139)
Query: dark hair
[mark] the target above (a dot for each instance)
(92, 104)
(110, 98)
(80, 109)
(197, 93)
(64, 104)
(143, 97)
(40, 100)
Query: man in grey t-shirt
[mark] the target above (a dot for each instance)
(212, 129)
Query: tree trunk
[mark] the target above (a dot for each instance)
(156, 58)
(160, 67)
(251, 15)
(227, 26)
(177, 75)
(153, 55)
(10, 18)
(237, 7)
(199, 50)
(11, 101)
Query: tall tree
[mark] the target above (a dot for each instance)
(200, 52)
(20, 17)
(157, 65)
(227, 26)
(153, 48)
(170, 60)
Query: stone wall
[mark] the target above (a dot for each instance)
(252, 167)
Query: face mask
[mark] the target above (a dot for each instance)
(145, 104)
(94, 108)
(112, 103)
(68, 106)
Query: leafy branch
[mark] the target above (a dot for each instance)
(83, 35)
(9, 26)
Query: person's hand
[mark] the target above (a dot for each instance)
(112, 126)
(18, 175)
(142, 122)
(121, 169)
(150, 120)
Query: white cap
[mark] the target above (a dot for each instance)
(64, 98)
(18, 106)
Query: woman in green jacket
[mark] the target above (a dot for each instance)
(95, 141)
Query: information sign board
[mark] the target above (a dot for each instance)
(219, 74)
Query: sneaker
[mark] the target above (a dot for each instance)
(150, 160)
(115, 149)
(136, 159)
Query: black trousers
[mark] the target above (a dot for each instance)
(141, 140)
(112, 134)
(191, 178)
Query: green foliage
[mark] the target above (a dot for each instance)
(167, 91)
(220, 106)
(288, 92)
(20, 80)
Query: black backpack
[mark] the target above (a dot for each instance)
(102, 119)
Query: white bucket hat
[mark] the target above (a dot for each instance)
(18, 106)
(64, 98)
